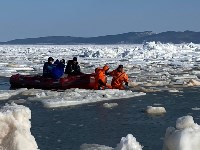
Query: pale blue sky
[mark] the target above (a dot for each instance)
(36, 18)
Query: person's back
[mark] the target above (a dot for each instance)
(119, 76)
(47, 68)
(100, 78)
(72, 67)
(58, 71)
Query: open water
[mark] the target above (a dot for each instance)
(68, 128)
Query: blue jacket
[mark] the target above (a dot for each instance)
(58, 71)
(47, 70)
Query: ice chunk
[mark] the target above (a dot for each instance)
(186, 136)
(195, 108)
(193, 82)
(128, 143)
(110, 105)
(15, 128)
(184, 122)
(173, 91)
(155, 110)
(94, 147)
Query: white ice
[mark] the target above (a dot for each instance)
(127, 143)
(155, 110)
(6, 94)
(149, 64)
(77, 96)
(186, 135)
(110, 105)
(15, 127)
(94, 147)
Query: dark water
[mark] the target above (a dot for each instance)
(4, 83)
(68, 128)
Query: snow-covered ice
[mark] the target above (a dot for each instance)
(127, 143)
(186, 135)
(78, 96)
(110, 105)
(94, 147)
(15, 127)
(6, 94)
(148, 64)
(155, 110)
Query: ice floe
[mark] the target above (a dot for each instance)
(79, 96)
(110, 105)
(15, 127)
(185, 136)
(155, 110)
(6, 94)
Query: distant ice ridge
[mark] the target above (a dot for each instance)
(186, 135)
(30, 58)
(15, 127)
(127, 143)
(78, 96)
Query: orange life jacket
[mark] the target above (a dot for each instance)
(100, 75)
(118, 79)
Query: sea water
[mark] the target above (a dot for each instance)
(67, 128)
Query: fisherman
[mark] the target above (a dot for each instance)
(72, 67)
(47, 68)
(101, 79)
(119, 77)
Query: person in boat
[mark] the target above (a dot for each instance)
(47, 68)
(58, 70)
(73, 67)
(101, 79)
(56, 62)
(119, 77)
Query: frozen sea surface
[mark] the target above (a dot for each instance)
(168, 74)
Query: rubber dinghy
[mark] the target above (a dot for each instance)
(83, 81)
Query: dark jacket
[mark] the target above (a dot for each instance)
(47, 70)
(72, 68)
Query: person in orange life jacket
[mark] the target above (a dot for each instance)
(47, 68)
(119, 77)
(101, 79)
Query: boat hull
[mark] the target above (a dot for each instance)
(84, 81)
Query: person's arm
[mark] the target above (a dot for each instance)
(78, 69)
(126, 79)
(111, 73)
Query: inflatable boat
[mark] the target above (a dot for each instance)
(83, 81)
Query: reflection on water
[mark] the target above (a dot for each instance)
(68, 128)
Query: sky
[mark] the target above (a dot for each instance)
(88, 18)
